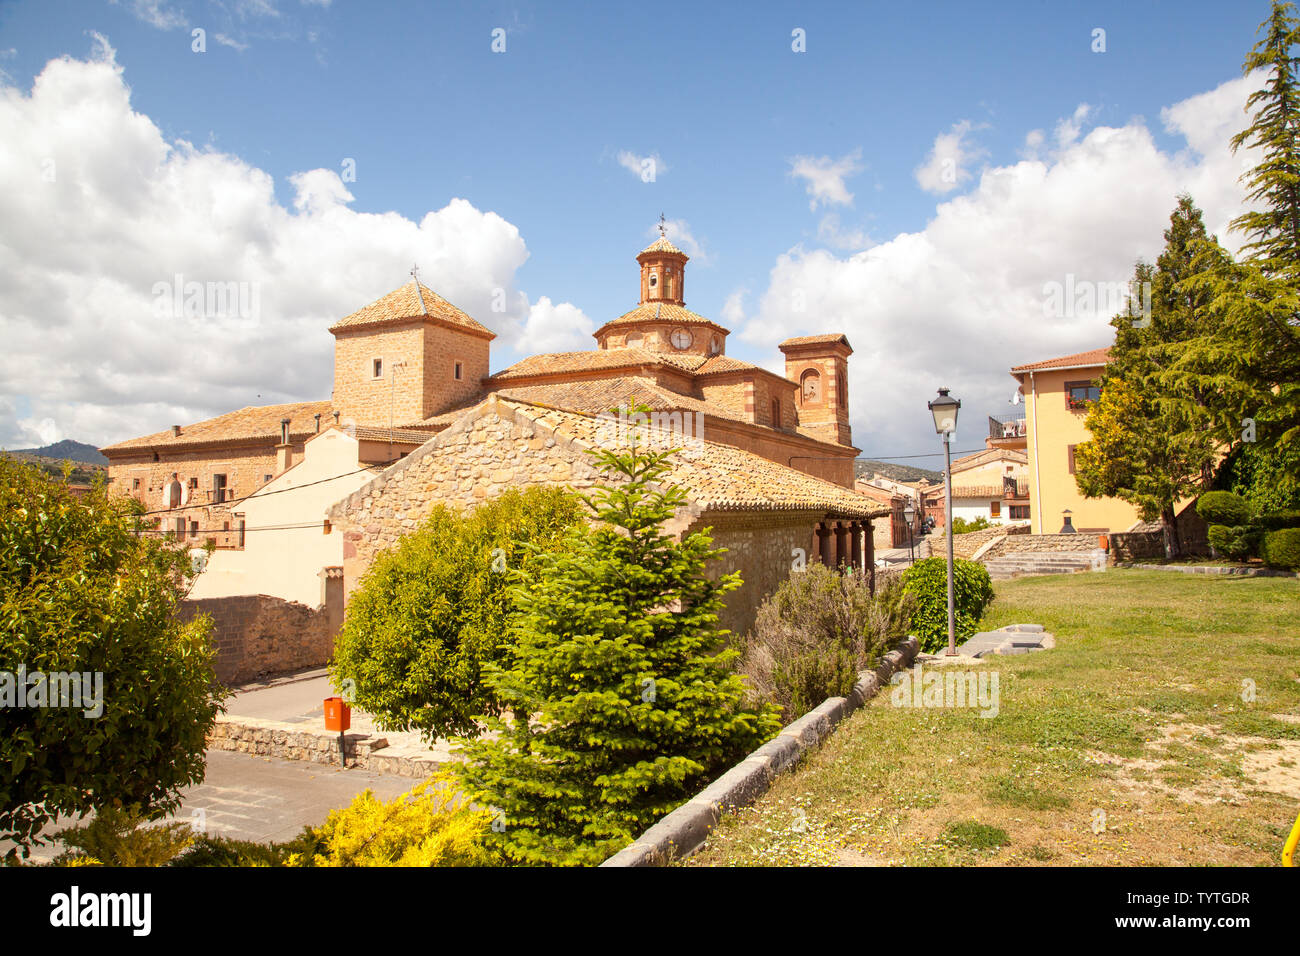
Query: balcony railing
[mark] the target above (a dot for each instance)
(1006, 426)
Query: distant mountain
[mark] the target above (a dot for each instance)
(866, 467)
(66, 449)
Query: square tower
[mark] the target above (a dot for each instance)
(406, 357)
(820, 365)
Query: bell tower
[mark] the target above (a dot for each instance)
(663, 270)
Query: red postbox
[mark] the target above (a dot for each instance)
(338, 715)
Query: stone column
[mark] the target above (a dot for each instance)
(870, 562)
(824, 547)
(856, 530)
(841, 544)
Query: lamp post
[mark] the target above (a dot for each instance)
(909, 515)
(944, 409)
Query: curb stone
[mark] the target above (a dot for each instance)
(682, 831)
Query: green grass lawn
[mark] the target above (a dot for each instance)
(1129, 744)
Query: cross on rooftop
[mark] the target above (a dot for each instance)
(662, 230)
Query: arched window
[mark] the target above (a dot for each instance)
(776, 413)
(811, 387)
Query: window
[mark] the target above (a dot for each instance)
(266, 478)
(458, 371)
(1079, 394)
(194, 483)
(194, 528)
(218, 488)
(135, 484)
(377, 368)
(180, 528)
(776, 413)
(1019, 512)
(654, 280)
(241, 532)
(811, 387)
(995, 509)
(1069, 452)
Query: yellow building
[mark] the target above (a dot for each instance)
(1056, 394)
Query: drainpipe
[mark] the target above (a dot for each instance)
(1038, 457)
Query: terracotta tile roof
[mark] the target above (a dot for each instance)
(594, 360)
(1077, 360)
(816, 340)
(400, 436)
(724, 363)
(405, 303)
(600, 395)
(722, 478)
(662, 245)
(976, 491)
(260, 423)
(661, 312)
(989, 455)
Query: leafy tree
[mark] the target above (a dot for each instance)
(623, 704)
(81, 592)
(1246, 357)
(1145, 448)
(431, 612)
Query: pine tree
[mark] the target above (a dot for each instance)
(1148, 448)
(1242, 367)
(622, 701)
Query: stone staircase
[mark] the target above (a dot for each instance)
(1014, 564)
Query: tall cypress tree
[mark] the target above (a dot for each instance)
(1146, 448)
(622, 702)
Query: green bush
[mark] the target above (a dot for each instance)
(1276, 521)
(122, 837)
(1223, 507)
(82, 592)
(1241, 541)
(962, 526)
(431, 612)
(817, 631)
(927, 581)
(225, 851)
(1282, 549)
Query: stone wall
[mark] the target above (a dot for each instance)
(256, 635)
(1136, 545)
(1023, 542)
(965, 545)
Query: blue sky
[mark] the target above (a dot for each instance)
(416, 96)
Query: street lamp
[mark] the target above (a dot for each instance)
(944, 409)
(909, 515)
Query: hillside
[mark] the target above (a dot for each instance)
(866, 467)
(71, 450)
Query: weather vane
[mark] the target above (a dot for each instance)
(663, 232)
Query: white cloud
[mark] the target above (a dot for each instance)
(230, 42)
(90, 234)
(947, 165)
(157, 13)
(833, 234)
(557, 327)
(1068, 128)
(681, 235)
(824, 177)
(647, 168)
(961, 301)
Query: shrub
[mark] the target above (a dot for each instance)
(1282, 549)
(621, 704)
(225, 851)
(1223, 507)
(962, 526)
(429, 825)
(430, 613)
(1239, 541)
(927, 581)
(1276, 521)
(83, 593)
(122, 837)
(817, 631)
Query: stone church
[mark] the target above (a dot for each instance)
(417, 419)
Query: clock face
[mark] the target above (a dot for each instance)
(681, 339)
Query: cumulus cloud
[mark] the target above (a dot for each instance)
(557, 327)
(961, 301)
(101, 246)
(948, 164)
(157, 13)
(681, 235)
(824, 177)
(833, 234)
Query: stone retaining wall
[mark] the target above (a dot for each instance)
(966, 545)
(257, 634)
(271, 738)
(681, 832)
(1039, 543)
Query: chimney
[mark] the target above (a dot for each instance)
(284, 450)
(176, 431)
(318, 421)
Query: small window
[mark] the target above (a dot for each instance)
(377, 368)
(776, 413)
(654, 280)
(218, 488)
(995, 509)
(1079, 394)
(180, 527)
(458, 371)
(135, 484)
(1019, 512)
(194, 482)
(1069, 452)
(194, 528)
(266, 478)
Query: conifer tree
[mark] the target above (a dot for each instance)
(1146, 448)
(622, 700)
